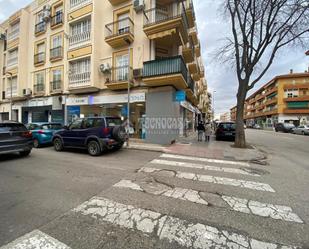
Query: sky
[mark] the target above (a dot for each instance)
(212, 29)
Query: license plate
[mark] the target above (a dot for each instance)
(228, 134)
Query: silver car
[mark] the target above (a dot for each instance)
(302, 130)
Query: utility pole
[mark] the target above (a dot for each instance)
(11, 98)
(128, 103)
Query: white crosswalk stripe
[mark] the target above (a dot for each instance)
(35, 240)
(185, 233)
(213, 179)
(278, 212)
(204, 167)
(202, 159)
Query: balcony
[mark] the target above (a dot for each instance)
(296, 86)
(39, 59)
(299, 98)
(120, 33)
(56, 53)
(193, 34)
(40, 28)
(271, 101)
(188, 52)
(190, 13)
(190, 90)
(12, 62)
(198, 50)
(75, 4)
(80, 39)
(167, 71)
(120, 78)
(56, 20)
(167, 24)
(296, 111)
(80, 81)
(117, 2)
(39, 89)
(56, 86)
(193, 68)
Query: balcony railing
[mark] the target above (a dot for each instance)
(56, 19)
(78, 3)
(79, 79)
(13, 34)
(56, 85)
(119, 27)
(56, 53)
(39, 58)
(12, 61)
(191, 83)
(79, 39)
(158, 15)
(166, 66)
(38, 88)
(121, 74)
(40, 27)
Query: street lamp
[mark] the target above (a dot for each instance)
(11, 98)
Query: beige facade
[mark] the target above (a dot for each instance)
(76, 48)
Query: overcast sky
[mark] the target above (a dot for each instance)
(212, 28)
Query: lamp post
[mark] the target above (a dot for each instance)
(11, 98)
(128, 103)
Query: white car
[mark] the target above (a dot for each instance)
(302, 130)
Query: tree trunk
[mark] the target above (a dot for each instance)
(240, 138)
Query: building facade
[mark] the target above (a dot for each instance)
(77, 58)
(285, 99)
(225, 117)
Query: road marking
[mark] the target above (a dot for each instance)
(212, 179)
(35, 240)
(200, 166)
(183, 232)
(272, 211)
(202, 159)
(277, 212)
(163, 190)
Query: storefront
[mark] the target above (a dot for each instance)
(189, 115)
(110, 105)
(47, 109)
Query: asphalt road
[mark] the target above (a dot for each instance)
(152, 200)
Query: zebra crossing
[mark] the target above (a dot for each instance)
(186, 233)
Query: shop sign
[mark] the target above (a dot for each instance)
(180, 96)
(119, 98)
(78, 101)
(188, 106)
(40, 102)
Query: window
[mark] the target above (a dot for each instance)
(57, 41)
(40, 23)
(11, 87)
(56, 83)
(39, 56)
(56, 46)
(290, 95)
(122, 67)
(39, 79)
(80, 32)
(80, 66)
(76, 124)
(123, 23)
(58, 15)
(14, 31)
(12, 57)
(79, 72)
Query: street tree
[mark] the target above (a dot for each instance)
(259, 30)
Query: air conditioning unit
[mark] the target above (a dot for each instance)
(105, 68)
(137, 73)
(138, 5)
(27, 92)
(46, 13)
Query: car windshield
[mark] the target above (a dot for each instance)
(289, 125)
(111, 122)
(228, 126)
(12, 127)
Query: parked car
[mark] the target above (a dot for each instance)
(284, 127)
(301, 130)
(96, 134)
(226, 130)
(257, 126)
(43, 132)
(14, 137)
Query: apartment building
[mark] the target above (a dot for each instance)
(64, 59)
(284, 99)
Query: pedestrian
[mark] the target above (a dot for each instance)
(200, 131)
(207, 132)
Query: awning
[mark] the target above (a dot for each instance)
(162, 34)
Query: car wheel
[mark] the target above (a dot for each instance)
(25, 153)
(94, 148)
(58, 145)
(36, 143)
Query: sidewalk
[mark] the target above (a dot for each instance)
(214, 149)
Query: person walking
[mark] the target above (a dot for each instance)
(200, 131)
(207, 132)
